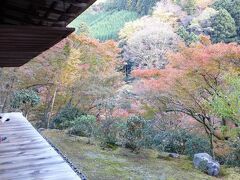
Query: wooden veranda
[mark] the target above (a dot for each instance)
(26, 155)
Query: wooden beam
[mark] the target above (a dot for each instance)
(48, 11)
(38, 12)
(3, 2)
(78, 3)
(77, 10)
(19, 44)
(55, 11)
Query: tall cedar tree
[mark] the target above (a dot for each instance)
(224, 27)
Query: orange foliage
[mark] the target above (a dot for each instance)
(108, 49)
(90, 57)
(200, 59)
(146, 73)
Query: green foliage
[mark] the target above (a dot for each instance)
(107, 28)
(235, 13)
(224, 28)
(178, 2)
(233, 158)
(142, 7)
(180, 141)
(25, 97)
(83, 29)
(65, 117)
(188, 37)
(196, 144)
(233, 7)
(170, 141)
(110, 133)
(225, 104)
(219, 4)
(84, 125)
(190, 7)
(134, 134)
(201, 24)
(103, 25)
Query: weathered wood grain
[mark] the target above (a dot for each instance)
(26, 155)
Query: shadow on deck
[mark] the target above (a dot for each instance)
(26, 155)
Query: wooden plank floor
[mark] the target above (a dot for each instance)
(26, 155)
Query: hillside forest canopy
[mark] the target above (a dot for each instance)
(140, 74)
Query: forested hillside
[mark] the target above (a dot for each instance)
(102, 25)
(142, 75)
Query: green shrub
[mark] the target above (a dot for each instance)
(65, 117)
(233, 158)
(84, 125)
(26, 96)
(111, 133)
(196, 144)
(171, 141)
(134, 133)
(188, 37)
(181, 142)
(24, 100)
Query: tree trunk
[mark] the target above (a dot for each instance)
(52, 106)
(47, 109)
(211, 145)
(9, 91)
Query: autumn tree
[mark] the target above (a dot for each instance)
(146, 42)
(168, 12)
(43, 73)
(191, 82)
(38, 74)
(90, 76)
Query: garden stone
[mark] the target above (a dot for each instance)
(205, 162)
(174, 155)
(41, 129)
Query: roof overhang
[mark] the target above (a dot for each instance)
(29, 27)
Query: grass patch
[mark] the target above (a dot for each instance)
(121, 163)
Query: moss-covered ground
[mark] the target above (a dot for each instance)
(121, 164)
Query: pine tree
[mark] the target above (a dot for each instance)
(233, 7)
(224, 28)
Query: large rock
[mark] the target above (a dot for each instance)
(205, 162)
